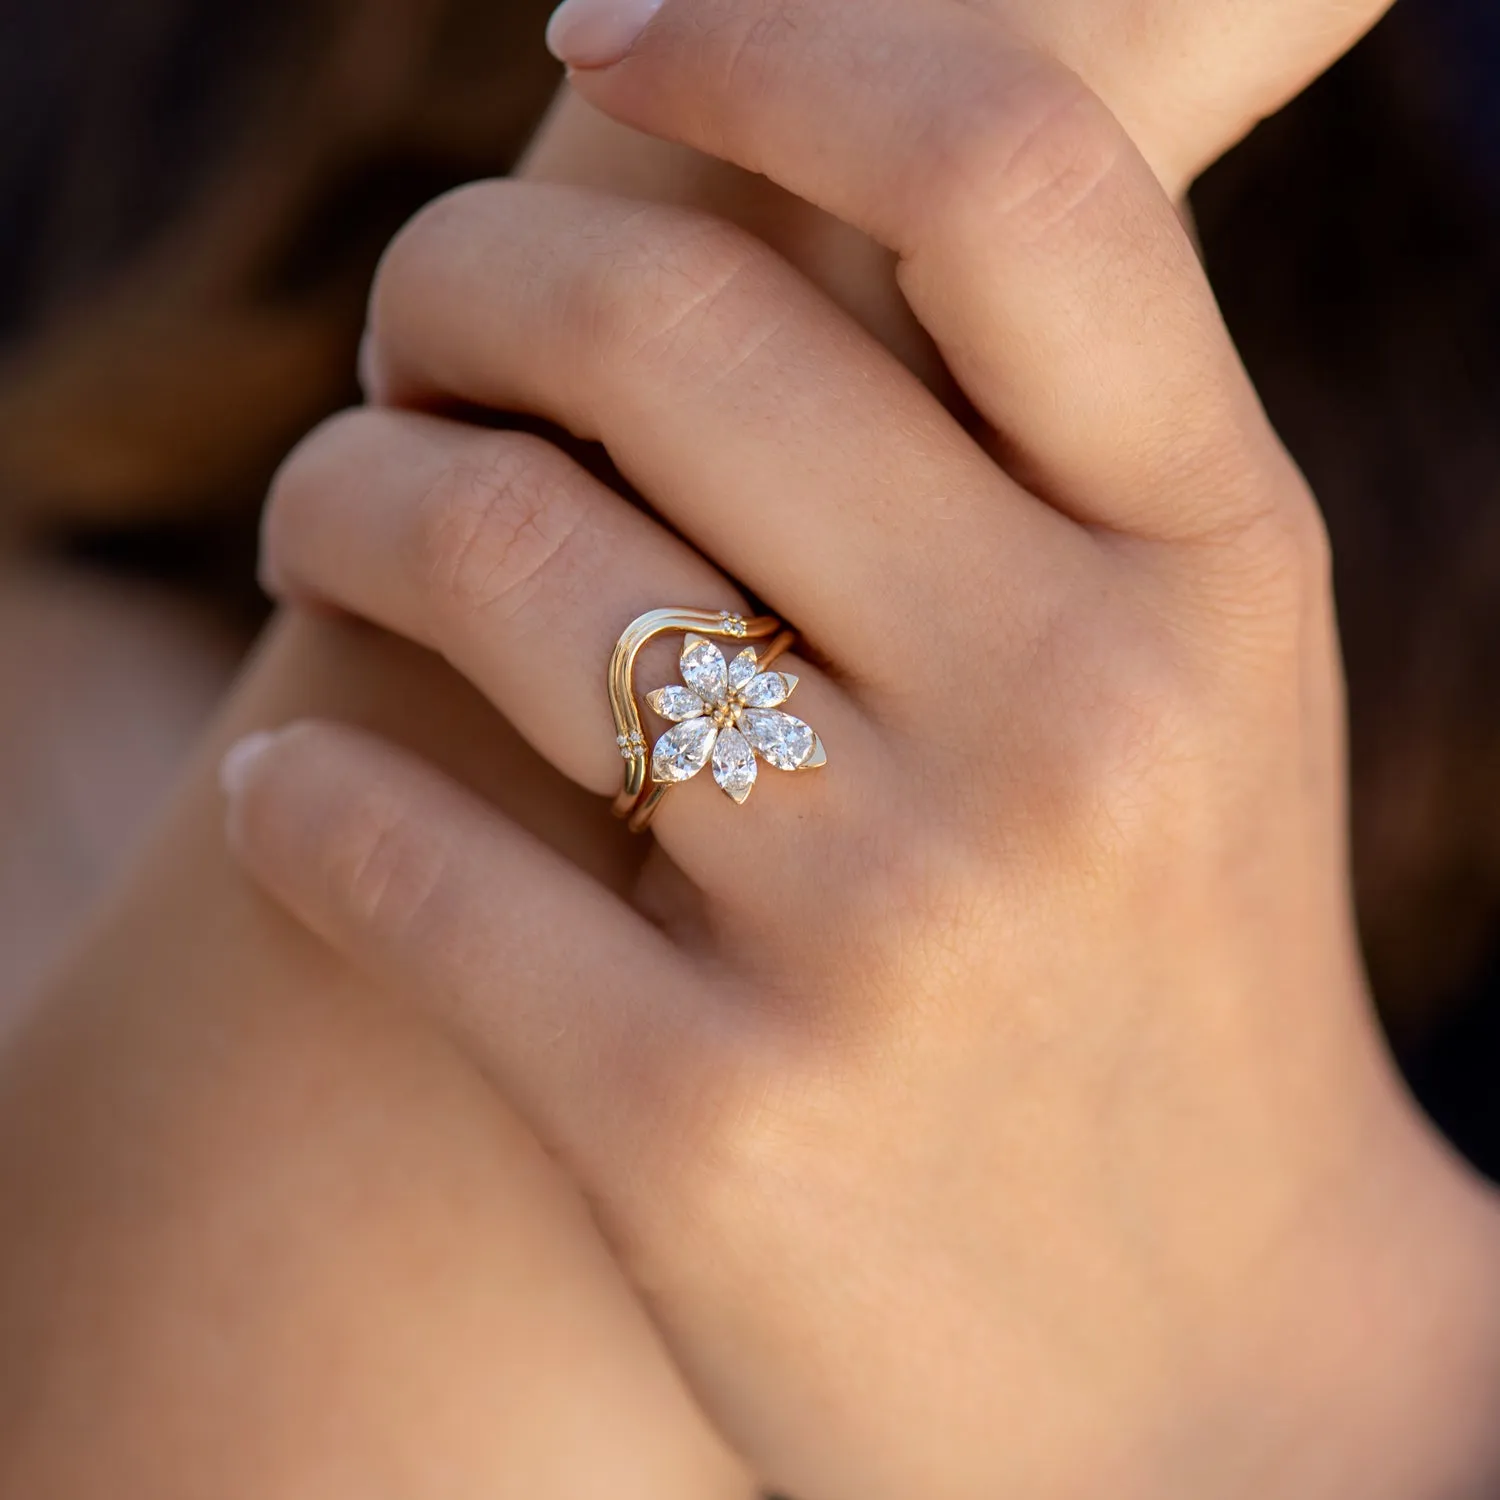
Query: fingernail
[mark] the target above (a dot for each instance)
(596, 33)
(234, 769)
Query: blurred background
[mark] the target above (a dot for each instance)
(192, 199)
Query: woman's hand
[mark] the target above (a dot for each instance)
(996, 1110)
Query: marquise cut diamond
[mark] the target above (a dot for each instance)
(743, 668)
(765, 690)
(676, 703)
(734, 764)
(684, 750)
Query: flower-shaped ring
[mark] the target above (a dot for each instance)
(723, 715)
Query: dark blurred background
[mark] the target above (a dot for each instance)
(192, 198)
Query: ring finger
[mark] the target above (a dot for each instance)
(499, 552)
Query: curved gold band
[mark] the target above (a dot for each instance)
(638, 797)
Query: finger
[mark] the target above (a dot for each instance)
(492, 548)
(1036, 245)
(498, 551)
(424, 887)
(757, 418)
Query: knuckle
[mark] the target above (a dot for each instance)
(487, 532)
(743, 51)
(673, 287)
(1032, 154)
(453, 217)
(1198, 443)
(1123, 755)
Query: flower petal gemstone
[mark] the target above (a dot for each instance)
(734, 764)
(743, 668)
(703, 668)
(683, 750)
(676, 703)
(785, 742)
(766, 690)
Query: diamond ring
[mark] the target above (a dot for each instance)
(723, 715)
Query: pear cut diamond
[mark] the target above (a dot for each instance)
(703, 668)
(734, 764)
(683, 750)
(785, 742)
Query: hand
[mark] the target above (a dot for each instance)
(1186, 80)
(998, 1110)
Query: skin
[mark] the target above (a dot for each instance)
(279, 1237)
(188, 1117)
(1041, 1003)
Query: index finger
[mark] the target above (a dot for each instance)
(1037, 246)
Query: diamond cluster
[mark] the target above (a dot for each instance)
(726, 714)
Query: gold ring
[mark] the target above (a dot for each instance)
(723, 714)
